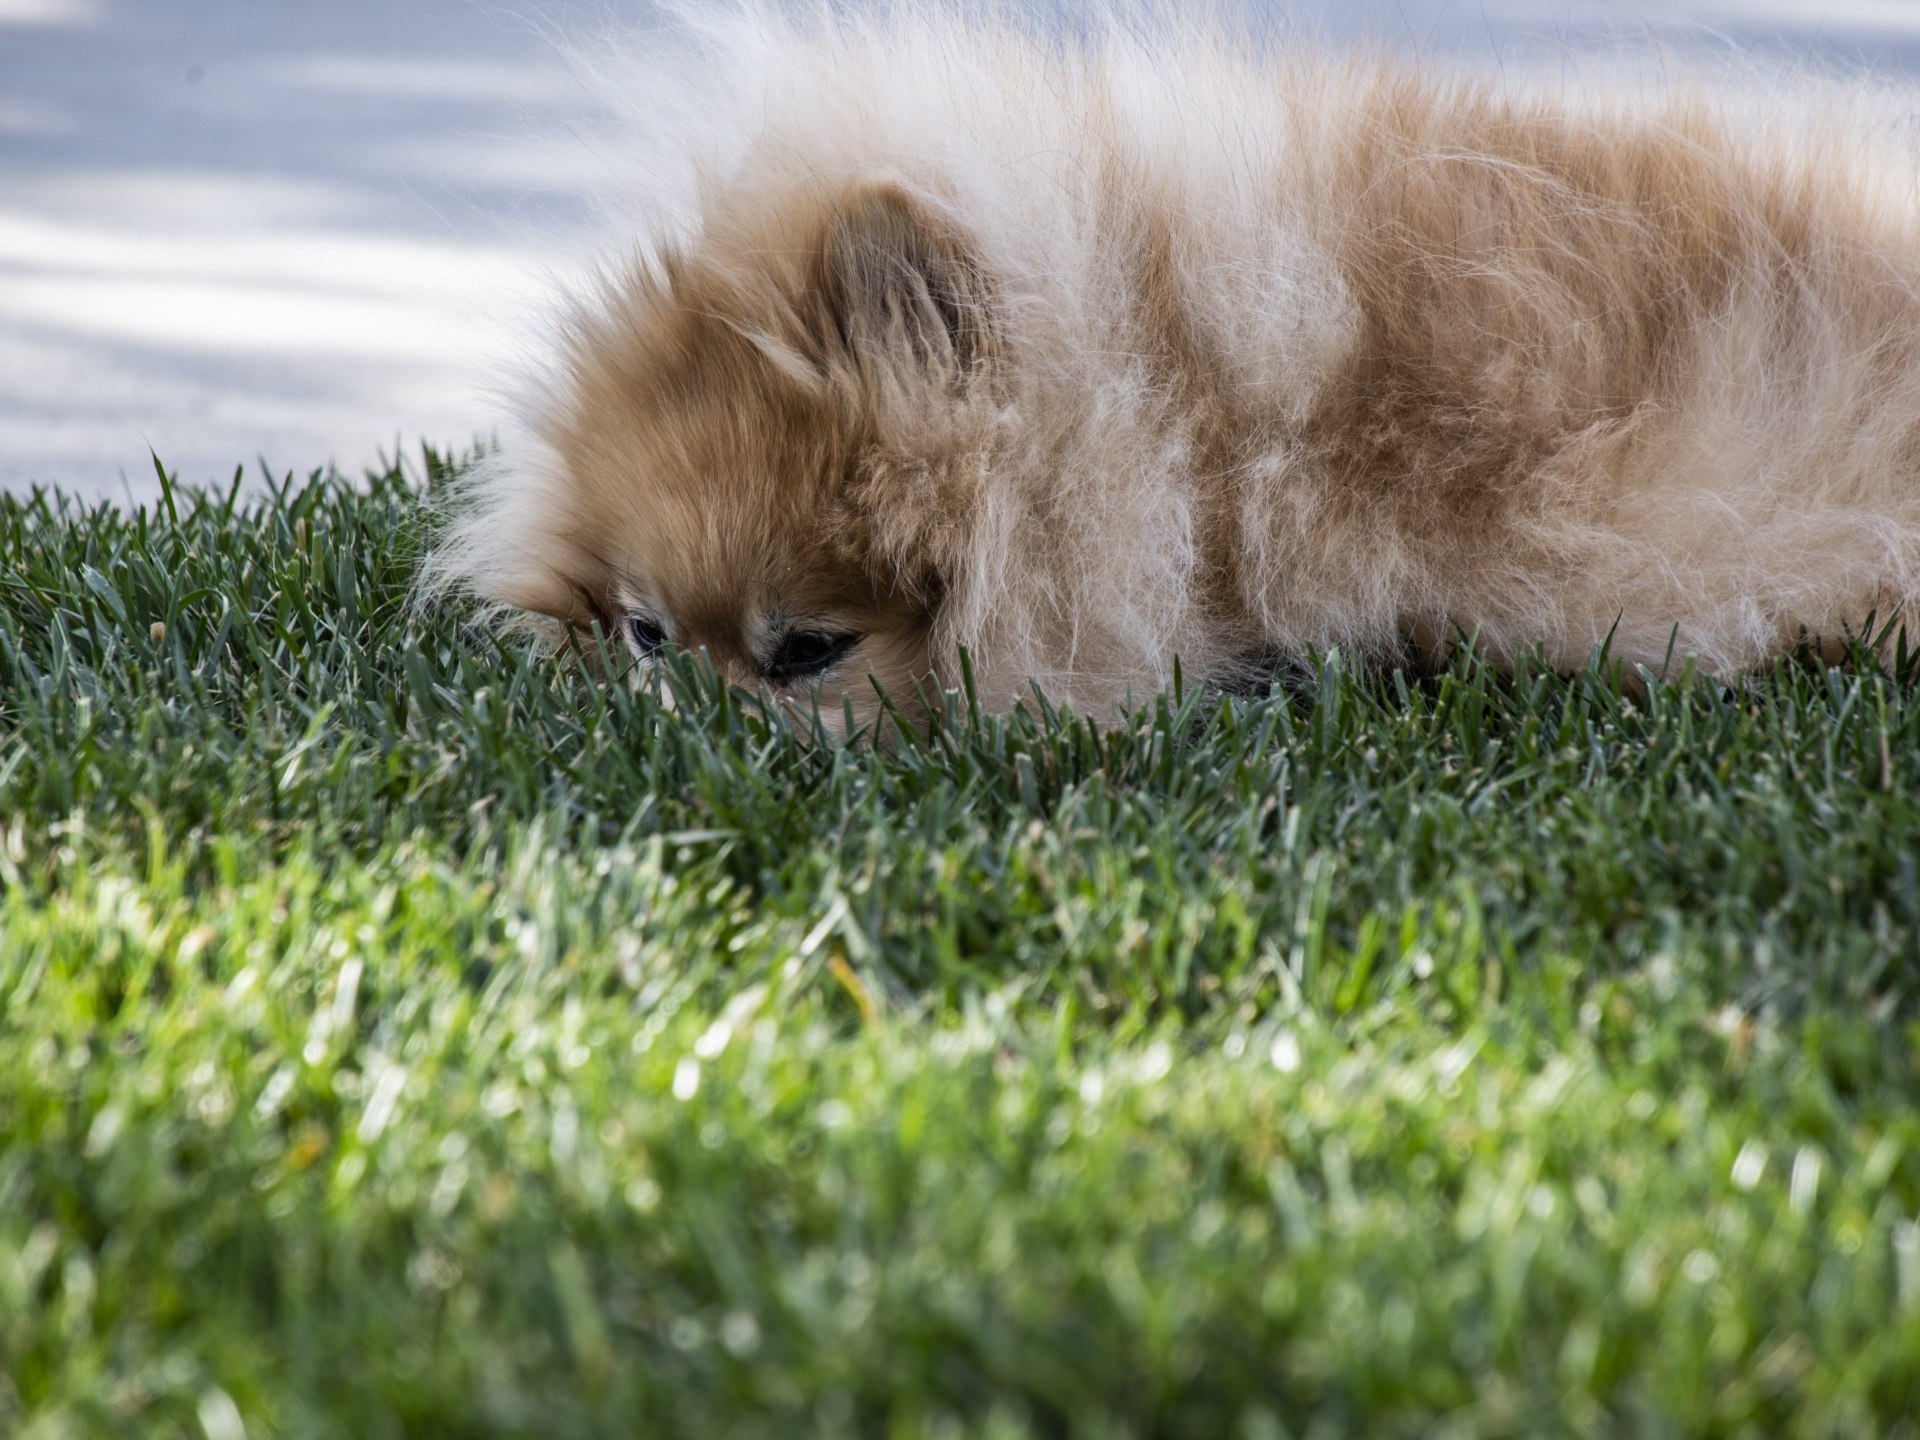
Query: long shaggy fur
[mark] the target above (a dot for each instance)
(1092, 356)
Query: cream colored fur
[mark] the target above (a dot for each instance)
(1095, 356)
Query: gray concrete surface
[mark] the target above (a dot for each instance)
(301, 231)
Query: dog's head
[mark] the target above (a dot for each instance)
(761, 450)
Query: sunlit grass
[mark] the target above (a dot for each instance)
(402, 1034)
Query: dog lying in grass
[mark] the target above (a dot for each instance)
(1094, 358)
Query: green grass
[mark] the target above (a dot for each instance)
(403, 1036)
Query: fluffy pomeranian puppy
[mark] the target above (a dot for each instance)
(1092, 356)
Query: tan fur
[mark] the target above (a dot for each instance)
(1093, 360)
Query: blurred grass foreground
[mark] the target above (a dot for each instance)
(404, 1035)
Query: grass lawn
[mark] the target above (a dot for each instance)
(402, 1036)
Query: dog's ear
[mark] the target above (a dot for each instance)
(905, 297)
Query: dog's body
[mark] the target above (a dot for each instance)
(1091, 360)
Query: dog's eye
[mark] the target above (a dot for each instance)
(805, 653)
(644, 634)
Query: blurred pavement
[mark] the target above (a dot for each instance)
(301, 230)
